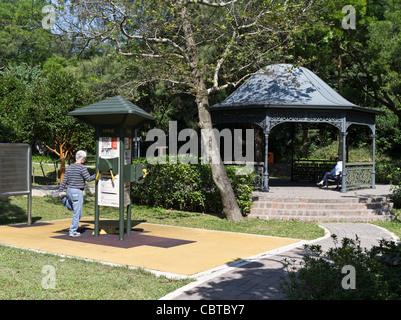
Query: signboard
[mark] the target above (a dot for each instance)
(15, 171)
(109, 193)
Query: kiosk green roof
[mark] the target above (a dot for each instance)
(116, 111)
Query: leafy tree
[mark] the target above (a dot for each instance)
(389, 140)
(362, 63)
(380, 62)
(34, 103)
(15, 85)
(22, 37)
(106, 74)
(199, 46)
(52, 98)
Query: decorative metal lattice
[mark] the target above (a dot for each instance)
(358, 176)
(312, 170)
(258, 180)
(283, 116)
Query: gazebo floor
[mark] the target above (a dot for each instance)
(305, 201)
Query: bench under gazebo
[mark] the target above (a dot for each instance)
(284, 93)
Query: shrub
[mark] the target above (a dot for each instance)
(387, 172)
(395, 180)
(377, 272)
(189, 187)
(384, 170)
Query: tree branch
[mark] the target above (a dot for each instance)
(54, 150)
(210, 4)
(221, 61)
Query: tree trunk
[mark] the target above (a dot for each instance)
(62, 169)
(62, 155)
(340, 74)
(219, 174)
(230, 206)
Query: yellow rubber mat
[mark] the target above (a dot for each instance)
(178, 250)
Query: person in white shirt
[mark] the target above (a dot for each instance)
(333, 174)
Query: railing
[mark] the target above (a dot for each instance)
(258, 180)
(310, 169)
(358, 175)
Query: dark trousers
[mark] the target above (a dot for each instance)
(328, 175)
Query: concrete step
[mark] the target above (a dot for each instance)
(266, 198)
(310, 209)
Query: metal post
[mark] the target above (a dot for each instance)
(30, 186)
(30, 208)
(129, 219)
(266, 171)
(292, 150)
(121, 185)
(374, 158)
(97, 185)
(135, 149)
(130, 188)
(344, 170)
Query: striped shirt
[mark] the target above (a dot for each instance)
(75, 175)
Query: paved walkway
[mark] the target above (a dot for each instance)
(303, 189)
(48, 190)
(278, 189)
(260, 278)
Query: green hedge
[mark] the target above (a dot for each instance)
(384, 170)
(390, 174)
(189, 187)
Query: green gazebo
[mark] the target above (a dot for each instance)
(284, 93)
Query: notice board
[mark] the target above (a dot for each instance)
(15, 169)
(15, 172)
(109, 188)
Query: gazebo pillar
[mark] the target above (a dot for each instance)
(266, 165)
(344, 170)
(374, 157)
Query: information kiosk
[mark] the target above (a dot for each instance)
(114, 120)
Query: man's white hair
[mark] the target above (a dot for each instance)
(80, 155)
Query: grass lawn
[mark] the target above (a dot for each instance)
(22, 273)
(393, 226)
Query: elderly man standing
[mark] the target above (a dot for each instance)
(76, 175)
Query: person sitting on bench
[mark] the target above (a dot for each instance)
(333, 174)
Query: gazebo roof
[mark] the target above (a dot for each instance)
(287, 86)
(112, 111)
